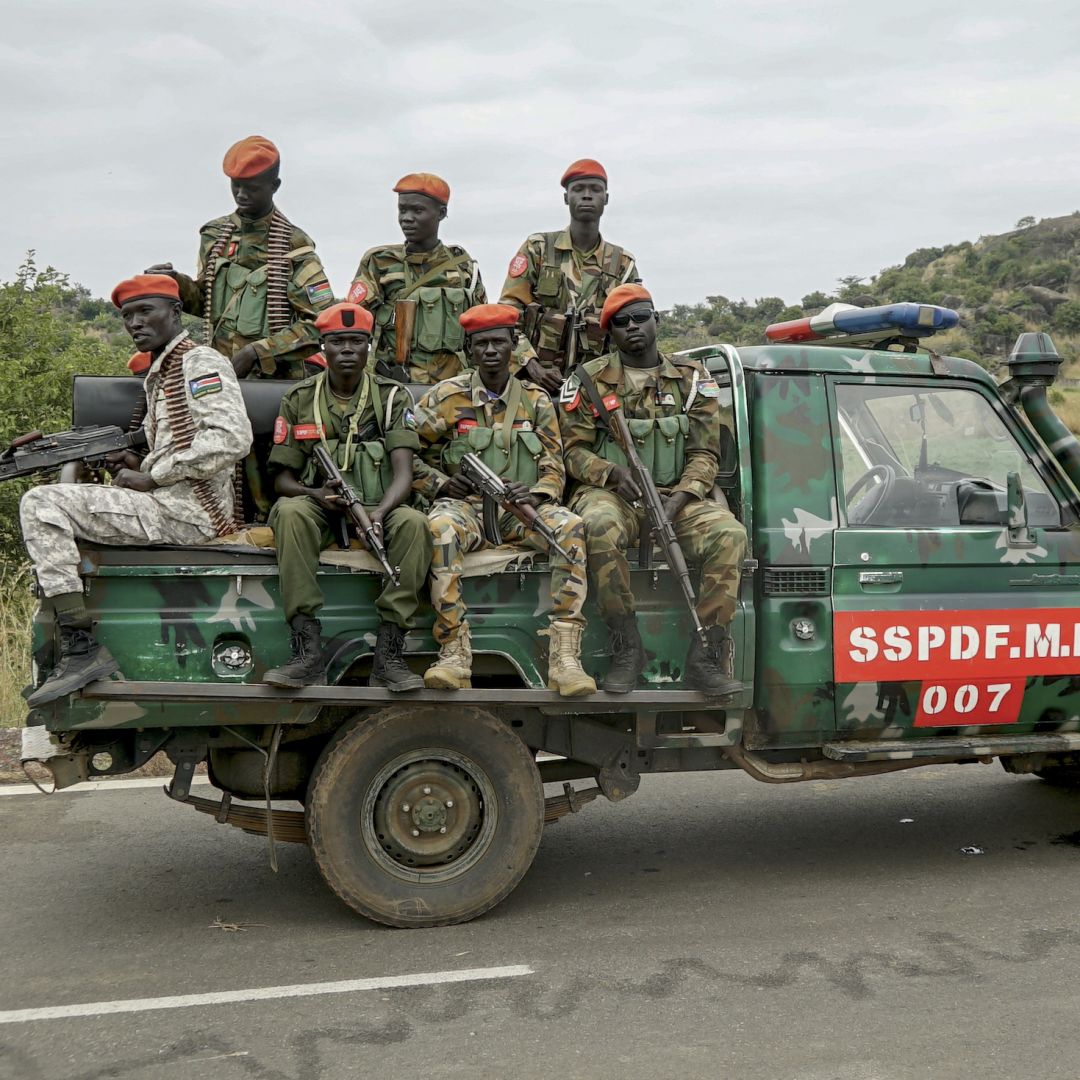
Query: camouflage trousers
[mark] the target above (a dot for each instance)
(457, 528)
(302, 529)
(54, 516)
(710, 536)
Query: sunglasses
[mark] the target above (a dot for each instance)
(623, 319)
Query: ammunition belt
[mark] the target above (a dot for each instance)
(182, 425)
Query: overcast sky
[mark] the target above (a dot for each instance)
(753, 148)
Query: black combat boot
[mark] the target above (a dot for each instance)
(82, 659)
(710, 668)
(306, 666)
(388, 667)
(627, 655)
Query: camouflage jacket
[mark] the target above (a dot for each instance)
(677, 383)
(456, 405)
(214, 419)
(548, 270)
(239, 311)
(387, 274)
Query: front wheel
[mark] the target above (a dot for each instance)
(425, 816)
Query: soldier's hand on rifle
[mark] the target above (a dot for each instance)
(457, 487)
(376, 517)
(547, 377)
(674, 503)
(327, 496)
(133, 480)
(161, 268)
(122, 459)
(518, 493)
(244, 360)
(621, 481)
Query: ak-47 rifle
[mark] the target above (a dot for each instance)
(38, 453)
(354, 509)
(493, 488)
(404, 326)
(574, 324)
(656, 519)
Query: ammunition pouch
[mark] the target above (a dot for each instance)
(521, 464)
(660, 443)
(437, 313)
(240, 299)
(369, 472)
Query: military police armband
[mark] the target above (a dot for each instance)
(518, 265)
(357, 292)
(281, 430)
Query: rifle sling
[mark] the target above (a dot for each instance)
(595, 398)
(456, 263)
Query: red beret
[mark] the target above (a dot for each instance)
(424, 183)
(618, 299)
(140, 363)
(250, 157)
(488, 317)
(344, 319)
(145, 285)
(584, 167)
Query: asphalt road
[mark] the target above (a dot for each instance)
(708, 927)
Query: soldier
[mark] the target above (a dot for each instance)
(357, 416)
(422, 283)
(678, 401)
(576, 268)
(259, 282)
(180, 493)
(512, 427)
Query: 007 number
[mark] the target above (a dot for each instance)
(967, 704)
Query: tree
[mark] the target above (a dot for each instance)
(1025, 222)
(42, 344)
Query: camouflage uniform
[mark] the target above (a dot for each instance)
(548, 270)
(240, 310)
(682, 451)
(460, 416)
(302, 528)
(444, 282)
(193, 501)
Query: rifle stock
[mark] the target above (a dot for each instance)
(354, 509)
(404, 327)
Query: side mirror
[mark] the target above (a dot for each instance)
(1016, 504)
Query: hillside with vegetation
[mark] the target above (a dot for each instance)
(1027, 279)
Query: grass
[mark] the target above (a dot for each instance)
(16, 612)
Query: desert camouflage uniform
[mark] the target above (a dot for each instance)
(195, 492)
(548, 270)
(302, 528)
(239, 312)
(709, 535)
(444, 417)
(444, 282)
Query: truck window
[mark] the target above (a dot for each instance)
(926, 457)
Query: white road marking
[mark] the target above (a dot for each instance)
(98, 785)
(261, 993)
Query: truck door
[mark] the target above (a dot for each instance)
(943, 618)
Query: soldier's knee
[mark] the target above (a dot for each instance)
(604, 532)
(412, 525)
(37, 505)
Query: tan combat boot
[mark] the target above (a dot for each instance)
(453, 669)
(565, 672)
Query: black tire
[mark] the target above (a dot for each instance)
(1066, 776)
(422, 815)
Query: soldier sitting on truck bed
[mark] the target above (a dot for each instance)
(673, 413)
(358, 417)
(181, 492)
(418, 290)
(512, 428)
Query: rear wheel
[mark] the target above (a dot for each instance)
(423, 815)
(1067, 776)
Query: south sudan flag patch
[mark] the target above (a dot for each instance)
(320, 293)
(208, 384)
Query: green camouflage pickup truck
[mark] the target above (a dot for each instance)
(912, 598)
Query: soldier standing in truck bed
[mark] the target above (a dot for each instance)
(259, 283)
(423, 282)
(575, 267)
(673, 412)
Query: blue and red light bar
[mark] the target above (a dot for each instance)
(846, 320)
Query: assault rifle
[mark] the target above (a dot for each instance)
(574, 323)
(493, 488)
(656, 518)
(354, 509)
(39, 453)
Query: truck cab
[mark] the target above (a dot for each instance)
(910, 597)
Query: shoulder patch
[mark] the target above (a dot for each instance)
(320, 292)
(305, 432)
(707, 387)
(357, 292)
(570, 394)
(518, 265)
(281, 430)
(408, 418)
(205, 385)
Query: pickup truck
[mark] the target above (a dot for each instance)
(911, 597)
